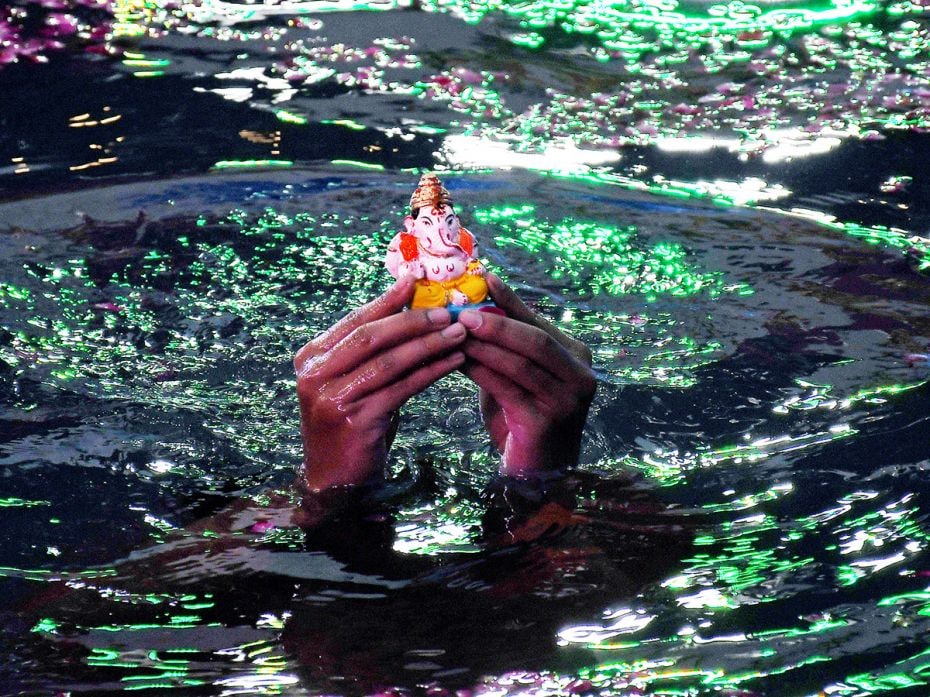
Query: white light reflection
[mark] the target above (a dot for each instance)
(710, 598)
(667, 464)
(283, 90)
(792, 148)
(272, 621)
(229, 13)
(437, 528)
(233, 94)
(878, 564)
(255, 684)
(625, 621)
(893, 523)
(440, 538)
(747, 192)
(696, 143)
(829, 514)
(859, 541)
(559, 156)
(782, 144)
(161, 466)
(728, 638)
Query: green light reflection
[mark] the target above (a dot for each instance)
(594, 258)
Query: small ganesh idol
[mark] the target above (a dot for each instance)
(436, 250)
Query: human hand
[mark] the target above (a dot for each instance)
(536, 383)
(352, 379)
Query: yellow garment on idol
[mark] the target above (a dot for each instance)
(439, 293)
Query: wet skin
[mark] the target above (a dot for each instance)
(536, 383)
(352, 379)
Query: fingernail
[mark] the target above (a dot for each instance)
(453, 331)
(471, 319)
(438, 315)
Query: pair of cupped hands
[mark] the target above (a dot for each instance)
(536, 383)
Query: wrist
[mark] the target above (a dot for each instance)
(341, 461)
(550, 452)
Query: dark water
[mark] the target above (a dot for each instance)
(727, 203)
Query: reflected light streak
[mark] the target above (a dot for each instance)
(251, 164)
(230, 13)
(669, 467)
(438, 528)
(256, 74)
(696, 143)
(783, 144)
(14, 502)
(256, 684)
(290, 117)
(751, 500)
(625, 621)
(896, 523)
(819, 397)
(267, 676)
(915, 245)
(746, 192)
(564, 156)
(794, 148)
(233, 94)
(709, 599)
(360, 165)
(95, 163)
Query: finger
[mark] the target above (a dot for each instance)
(519, 369)
(393, 365)
(369, 340)
(530, 341)
(392, 301)
(510, 303)
(393, 396)
(504, 391)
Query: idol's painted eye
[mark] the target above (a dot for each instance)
(427, 221)
(449, 220)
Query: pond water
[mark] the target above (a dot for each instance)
(727, 202)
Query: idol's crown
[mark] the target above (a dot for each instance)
(430, 192)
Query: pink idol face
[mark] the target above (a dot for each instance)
(437, 229)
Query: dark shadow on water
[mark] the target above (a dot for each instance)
(358, 616)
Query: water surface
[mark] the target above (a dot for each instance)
(725, 202)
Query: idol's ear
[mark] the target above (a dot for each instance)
(408, 224)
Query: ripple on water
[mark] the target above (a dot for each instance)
(749, 372)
